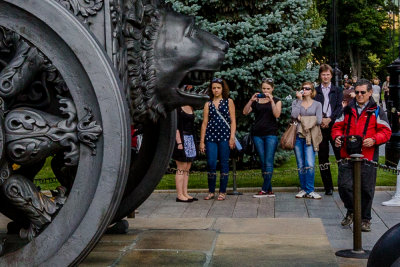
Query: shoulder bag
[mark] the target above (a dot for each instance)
(237, 143)
(288, 139)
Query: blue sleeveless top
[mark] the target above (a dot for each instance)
(217, 130)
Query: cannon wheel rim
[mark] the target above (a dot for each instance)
(158, 145)
(92, 203)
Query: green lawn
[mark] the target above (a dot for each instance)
(283, 176)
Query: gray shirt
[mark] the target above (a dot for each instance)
(376, 89)
(327, 107)
(314, 110)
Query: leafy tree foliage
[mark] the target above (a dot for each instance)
(363, 30)
(268, 38)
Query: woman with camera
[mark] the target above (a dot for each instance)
(267, 109)
(308, 114)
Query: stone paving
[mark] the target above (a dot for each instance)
(329, 209)
(240, 231)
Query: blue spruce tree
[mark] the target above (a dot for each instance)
(267, 38)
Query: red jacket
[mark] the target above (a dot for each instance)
(378, 127)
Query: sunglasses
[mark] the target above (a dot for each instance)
(216, 80)
(268, 80)
(306, 88)
(360, 92)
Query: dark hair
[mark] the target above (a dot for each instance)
(323, 68)
(225, 88)
(362, 82)
(268, 81)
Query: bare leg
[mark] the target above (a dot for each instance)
(179, 180)
(186, 180)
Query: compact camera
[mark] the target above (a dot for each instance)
(261, 96)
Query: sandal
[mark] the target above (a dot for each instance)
(221, 196)
(209, 196)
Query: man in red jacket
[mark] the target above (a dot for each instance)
(365, 119)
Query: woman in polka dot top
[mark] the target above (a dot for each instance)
(216, 137)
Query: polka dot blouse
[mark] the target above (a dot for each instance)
(217, 130)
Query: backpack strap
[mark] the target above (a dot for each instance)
(348, 123)
(366, 124)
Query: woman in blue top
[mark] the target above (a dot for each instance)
(218, 135)
(267, 109)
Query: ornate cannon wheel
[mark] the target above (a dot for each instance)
(84, 125)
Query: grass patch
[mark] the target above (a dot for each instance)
(283, 176)
(45, 173)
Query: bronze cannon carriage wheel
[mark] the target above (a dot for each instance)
(80, 119)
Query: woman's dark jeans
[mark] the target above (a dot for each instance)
(215, 150)
(266, 148)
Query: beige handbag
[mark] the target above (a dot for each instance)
(288, 139)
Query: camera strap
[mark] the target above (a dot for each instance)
(365, 127)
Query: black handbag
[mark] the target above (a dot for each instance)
(247, 142)
(354, 142)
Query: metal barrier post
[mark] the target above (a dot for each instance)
(234, 190)
(357, 251)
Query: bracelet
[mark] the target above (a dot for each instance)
(179, 144)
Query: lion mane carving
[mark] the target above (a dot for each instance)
(165, 51)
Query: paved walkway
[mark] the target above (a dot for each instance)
(240, 231)
(330, 210)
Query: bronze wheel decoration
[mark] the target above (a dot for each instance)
(59, 98)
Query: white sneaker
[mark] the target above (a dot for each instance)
(314, 195)
(394, 202)
(301, 194)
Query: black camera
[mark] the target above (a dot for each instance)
(261, 96)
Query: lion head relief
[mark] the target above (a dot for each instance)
(166, 50)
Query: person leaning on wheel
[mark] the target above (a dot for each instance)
(362, 119)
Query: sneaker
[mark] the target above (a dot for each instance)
(347, 220)
(366, 226)
(313, 195)
(270, 194)
(261, 194)
(301, 194)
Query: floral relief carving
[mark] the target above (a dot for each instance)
(85, 8)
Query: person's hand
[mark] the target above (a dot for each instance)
(299, 95)
(180, 146)
(338, 141)
(369, 142)
(254, 97)
(325, 122)
(202, 148)
(268, 95)
(232, 143)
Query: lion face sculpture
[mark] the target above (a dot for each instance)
(166, 51)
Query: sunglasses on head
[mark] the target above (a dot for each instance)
(268, 80)
(216, 80)
(306, 88)
(360, 92)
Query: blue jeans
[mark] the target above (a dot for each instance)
(215, 150)
(305, 157)
(266, 148)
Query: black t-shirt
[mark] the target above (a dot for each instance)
(185, 122)
(265, 123)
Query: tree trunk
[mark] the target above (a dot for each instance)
(353, 64)
(358, 62)
(355, 61)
